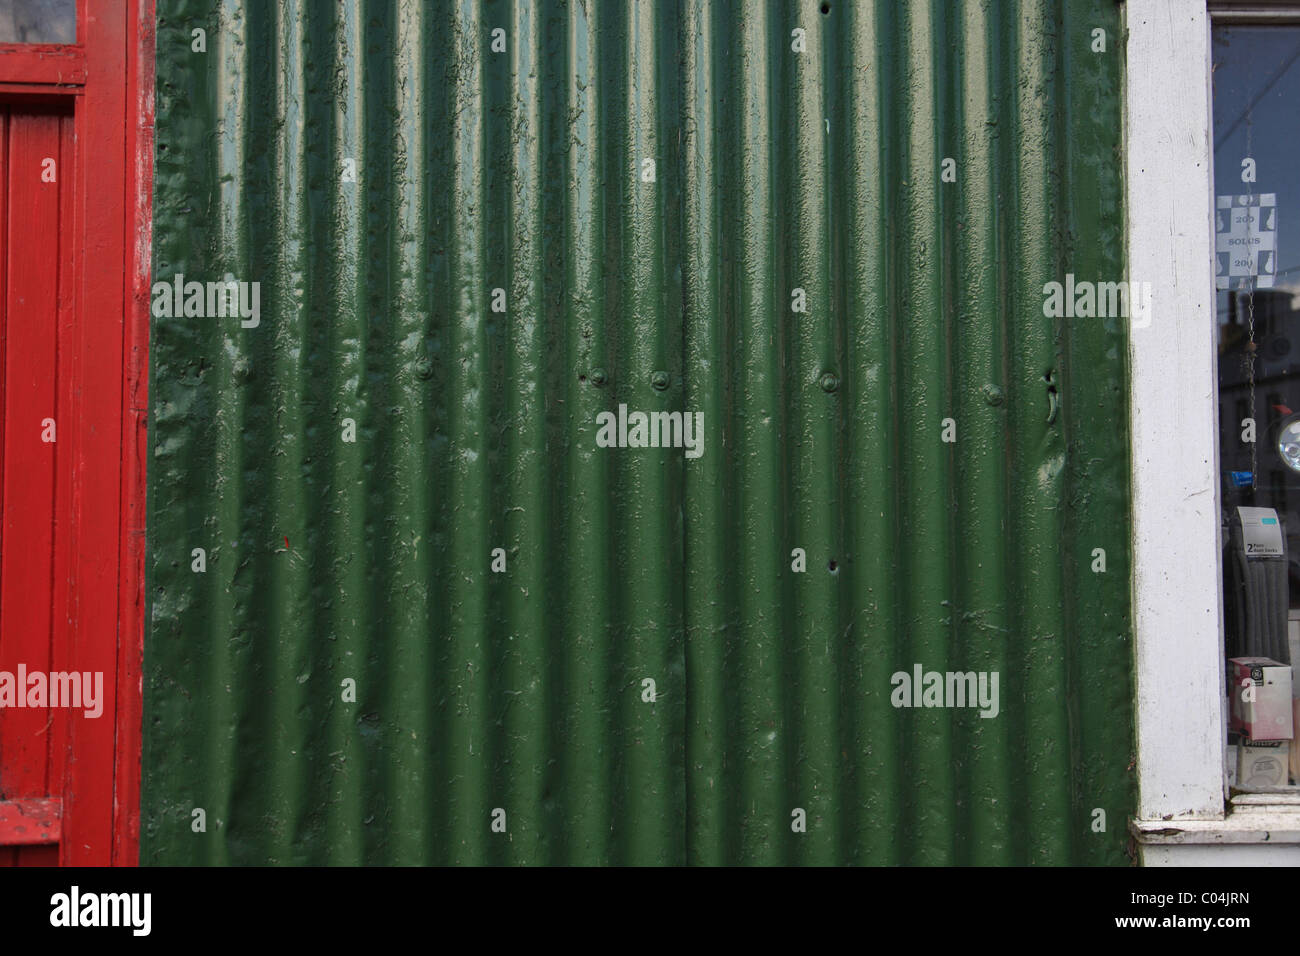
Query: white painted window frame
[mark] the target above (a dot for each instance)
(1173, 417)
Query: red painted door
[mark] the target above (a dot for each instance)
(75, 177)
(36, 166)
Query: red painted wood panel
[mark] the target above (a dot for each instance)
(4, 337)
(139, 107)
(88, 806)
(65, 461)
(31, 264)
(43, 63)
(36, 856)
(35, 257)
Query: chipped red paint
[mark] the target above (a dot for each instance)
(41, 64)
(135, 410)
(31, 822)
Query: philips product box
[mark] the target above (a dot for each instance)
(1262, 763)
(1260, 690)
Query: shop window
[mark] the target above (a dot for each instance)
(1256, 90)
(38, 21)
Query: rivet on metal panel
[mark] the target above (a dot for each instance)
(424, 369)
(659, 380)
(598, 377)
(993, 395)
(830, 382)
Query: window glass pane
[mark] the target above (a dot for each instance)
(38, 21)
(1256, 84)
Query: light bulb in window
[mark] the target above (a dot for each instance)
(1288, 443)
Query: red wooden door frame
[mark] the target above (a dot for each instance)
(108, 75)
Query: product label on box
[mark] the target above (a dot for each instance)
(1261, 532)
(1261, 698)
(1261, 765)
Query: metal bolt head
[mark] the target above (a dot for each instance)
(992, 395)
(829, 382)
(598, 376)
(659, 380)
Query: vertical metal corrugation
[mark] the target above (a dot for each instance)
(980, 334)
(646, 184)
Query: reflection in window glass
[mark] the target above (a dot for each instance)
(38, 21)
(1256, 76)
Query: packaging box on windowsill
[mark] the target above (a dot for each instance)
(1262, 763)
(1266, 715)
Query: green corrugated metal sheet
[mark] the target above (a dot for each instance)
(523, 690)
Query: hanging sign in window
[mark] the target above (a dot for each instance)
(1245, 241)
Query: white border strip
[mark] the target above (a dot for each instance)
(1177, 589)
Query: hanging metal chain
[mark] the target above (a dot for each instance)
(1250, 352)
(1252, 215)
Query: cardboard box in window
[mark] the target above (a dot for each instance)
(1262, 763)
(1260, 690)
